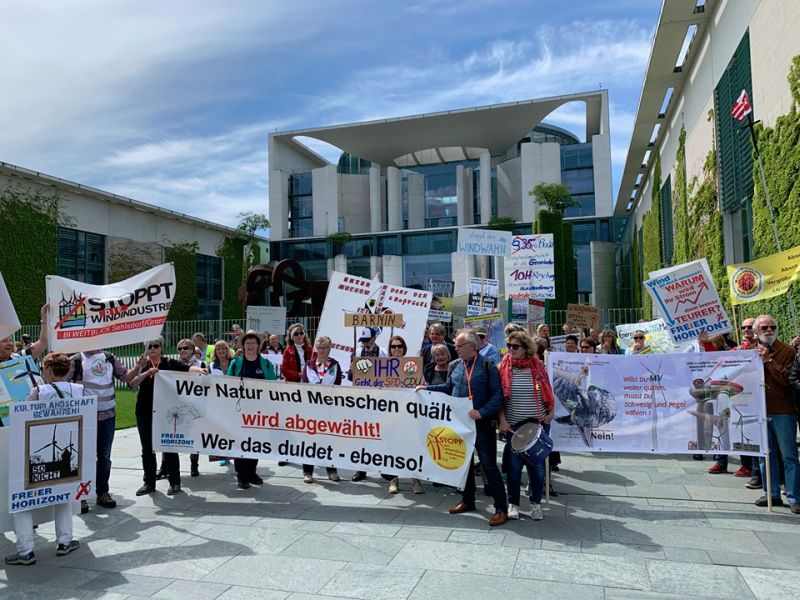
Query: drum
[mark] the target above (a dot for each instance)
(532, 443)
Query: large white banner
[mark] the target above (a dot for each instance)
(86, 317)
(55, 444)
(426, 435)
(9, 322)
(529, 269)
(485, 242)
(264, 319)
(350, 294)
(704, 403)
(657, 339)
(687, 298)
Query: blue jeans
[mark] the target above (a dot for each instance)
(514, 474)
(486, 447)
(782, 432)
(105, 439)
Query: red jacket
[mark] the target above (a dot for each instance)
(291, 362)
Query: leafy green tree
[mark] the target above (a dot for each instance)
(554, 197)
(249, 223)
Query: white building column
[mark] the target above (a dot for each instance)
(375, 207)
(325, 200)
(462, 267)
(540, 163)
(395, 197)
(278, 205)
(463, 195)
(416, 201)
(486, 187)
(392, 270)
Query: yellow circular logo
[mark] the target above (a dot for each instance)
(747, 282)
(447, 448)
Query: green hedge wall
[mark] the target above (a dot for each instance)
(651, 236)
(184, 257)
(636, 269)
(563, 258)
(231, 252)
(682, 248)
(29, 224)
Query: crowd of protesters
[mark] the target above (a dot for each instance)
(507, 391)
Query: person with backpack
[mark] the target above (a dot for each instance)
(251, 365)
(475, 377)
(96, 370)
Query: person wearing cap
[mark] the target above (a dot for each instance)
(486, 349)
(250, 364)
(368, 338)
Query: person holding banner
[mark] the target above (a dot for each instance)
(588, 345)
(779, 359)
(327, 371)
(250, 364)
(149, 364)
(437, 335)
(476, 378)
(221, 359)
(8, 351)
(638, 346)
(749, 467)
(297, 354)
(186, 354)
(436, 371)
(55, 368)
(528, 398)
(608, 342)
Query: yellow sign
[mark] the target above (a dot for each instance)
(764, 278)
(447, 448)
(373, 320)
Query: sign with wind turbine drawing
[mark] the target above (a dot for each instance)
(687, 299)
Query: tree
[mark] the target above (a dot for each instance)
(554, 197)
(249, 223)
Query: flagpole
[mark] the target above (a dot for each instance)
(751, 125)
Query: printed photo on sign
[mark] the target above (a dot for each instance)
(53, 448)
(17, 378)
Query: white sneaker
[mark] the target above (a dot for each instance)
(536, 511)
(394, 486)
(513, 511)
(416, 486)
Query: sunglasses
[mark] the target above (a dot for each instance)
(296, 333)
(638, 337)
(182, 348)
(396, 346)
(153, 346)
(586, 347)
(482, 336)
(513, 346)
(768, 327)
(746, 327)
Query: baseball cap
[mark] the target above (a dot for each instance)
(367, 333)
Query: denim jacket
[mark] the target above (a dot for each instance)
(487, 392)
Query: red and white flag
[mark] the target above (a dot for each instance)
(742, 107)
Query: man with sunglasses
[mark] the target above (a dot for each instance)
(749, 466)
(778, 359)
(187, 355)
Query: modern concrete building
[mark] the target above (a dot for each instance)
(703, 55)
(112, 232)
(403, 186)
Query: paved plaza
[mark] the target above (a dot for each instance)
(623, 526)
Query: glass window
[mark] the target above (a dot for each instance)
(81, 255)
(419, 270)
(359, 247)
(665, 199)
(300, 206)
(388, 245)
(586, 208)
(359, 266)
(428, 243)
(208, 286)
(583, 233)
(583, 265)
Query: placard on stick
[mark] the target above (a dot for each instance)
(387, 371)
(583, 316)
(373, 320)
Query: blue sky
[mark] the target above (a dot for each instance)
(171, 102)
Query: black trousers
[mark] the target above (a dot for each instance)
(486, 447)
(144, 424)
(245, 468)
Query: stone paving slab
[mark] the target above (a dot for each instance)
(623, 527)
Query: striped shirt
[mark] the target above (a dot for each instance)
(525, 401)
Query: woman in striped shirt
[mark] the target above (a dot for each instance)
(528, 398)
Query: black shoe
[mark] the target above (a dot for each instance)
(161, 474)
(145, 489)
(283, 463)
(697, 457)
(763, 501)
(795, 508)
(106, 501)
(754, 484)
(21, 559)
(359, 476)
(243, 484)
(64, 549)
(174, 489)
(553, 493)
(554, 469)
(195, 471)
(84, 507)
(255, 479)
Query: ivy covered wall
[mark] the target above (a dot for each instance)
(651, 236)
(563, 259)
(183, 255)
(231, 251)
(29, 223)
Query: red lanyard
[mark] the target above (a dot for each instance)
(469, 376)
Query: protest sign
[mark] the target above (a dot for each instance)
(373, 320)
(535, 313)
(583, 316)
(485, 242)
(657, 339)
(494, 325)
(388, 372)
(440, 287)
(443, 316)
(426, 435)
(688, 301)
(558, 343)
(764, 278)
(56, 441)
(264, 319)
(350, 294)
(18, 377)
(483, 296)
(9, 322)
(85, 316)
(529, 269)
(705, 403)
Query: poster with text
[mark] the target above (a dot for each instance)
(57, 443)
(529, 269)
(267, 319)
(483, 296)
(583, 316)
(9, 323)
(688, 301)
(705, 403)
(388, 372)
(87, 317)
(484, 242)
(426, 435)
